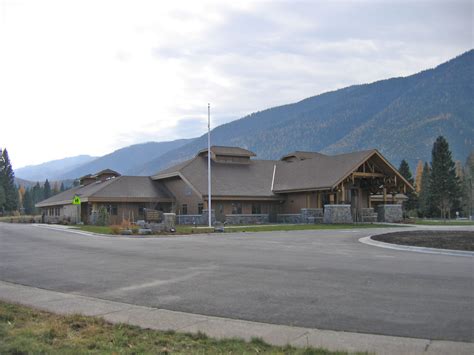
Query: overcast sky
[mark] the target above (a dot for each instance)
(88, 77)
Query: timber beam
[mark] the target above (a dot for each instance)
(367, 175)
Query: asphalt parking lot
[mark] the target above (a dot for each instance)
(316, 279)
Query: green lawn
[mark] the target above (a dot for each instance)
(255, 228)
(448, 222)
(28, 331)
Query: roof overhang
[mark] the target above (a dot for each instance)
(362, 161)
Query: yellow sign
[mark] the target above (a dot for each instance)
(76, 200)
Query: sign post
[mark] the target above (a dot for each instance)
(76, 200)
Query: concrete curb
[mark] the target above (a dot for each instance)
(369, 241)
(161, 319)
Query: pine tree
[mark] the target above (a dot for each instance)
(444, 184)
(28, 204)
(3, 199)
(404, 170)
(468, 186)
(46, 190)
(418, 172)
(424, 201)
(8, 183)
(37, 194)
(64, 189)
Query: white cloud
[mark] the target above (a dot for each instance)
(89, 77)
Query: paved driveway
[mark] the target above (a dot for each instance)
(318, 279)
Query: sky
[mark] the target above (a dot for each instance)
(89, 77)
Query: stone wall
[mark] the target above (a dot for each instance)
(390, 213)
(337, 214)
(191, 219)
(368, 215)
(246, 218)
(289, 218)
(198, 219)
(312, 215)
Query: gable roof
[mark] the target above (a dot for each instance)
(122, 188)
(248, 180)
(318, 173)
(268, 178)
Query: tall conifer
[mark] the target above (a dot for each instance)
(444, 184)
(8, 183)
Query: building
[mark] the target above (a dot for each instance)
(122, 197)
(300, 187)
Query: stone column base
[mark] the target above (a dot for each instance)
(390, 213)
(334, 214)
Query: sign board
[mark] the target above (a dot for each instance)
(153, 215)
(76, 200)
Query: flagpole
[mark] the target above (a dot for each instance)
(209, 207)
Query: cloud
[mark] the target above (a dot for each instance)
(113, 73)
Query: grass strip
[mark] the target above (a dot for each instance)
(25, 330)
(256, 228)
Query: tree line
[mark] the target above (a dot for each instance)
(15, 199)
(443, 187)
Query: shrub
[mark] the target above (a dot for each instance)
(115, 229)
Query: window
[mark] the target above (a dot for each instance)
(256, 208)
(236, 208)
(112, 210)
(200, 208)
(184, 209)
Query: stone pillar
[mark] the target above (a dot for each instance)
(169, 221)
(337, 214)
(390, 213)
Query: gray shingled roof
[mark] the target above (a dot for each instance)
(123, 187)
(255, 179)
(319, 172)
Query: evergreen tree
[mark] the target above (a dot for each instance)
(404, 170)
(37, 194)
(8, 182)
(64, 189)
(444, 184)
(468, 187)
(47, 190)
(3, 199)
(424, 201)
(28, 204)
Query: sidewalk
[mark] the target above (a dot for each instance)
(161, 319)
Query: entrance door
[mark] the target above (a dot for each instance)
(355, 205)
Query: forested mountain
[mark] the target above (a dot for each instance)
(126, 160)
(401, 117)
(51, 169)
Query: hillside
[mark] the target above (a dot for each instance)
(401, 117)
(125, 160)
(53, 169)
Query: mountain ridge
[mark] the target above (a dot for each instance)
(400, 116)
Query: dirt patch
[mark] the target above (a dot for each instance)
(454, 240)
